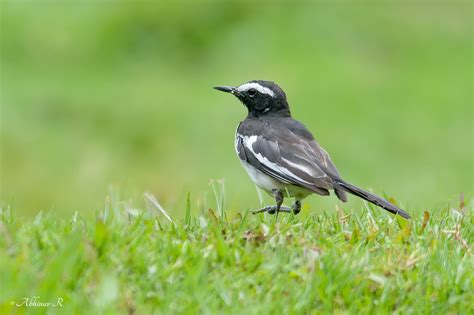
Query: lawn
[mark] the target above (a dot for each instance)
(126, 260)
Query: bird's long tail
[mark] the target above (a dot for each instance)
(382, 203)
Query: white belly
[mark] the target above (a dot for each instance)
(268, 183)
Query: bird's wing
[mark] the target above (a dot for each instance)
(287, 156)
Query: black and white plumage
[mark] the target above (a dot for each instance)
(281, 156)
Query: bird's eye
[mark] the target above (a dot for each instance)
(252, 92)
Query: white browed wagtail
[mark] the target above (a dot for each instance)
(282, 157)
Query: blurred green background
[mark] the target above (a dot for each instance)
(119, 94)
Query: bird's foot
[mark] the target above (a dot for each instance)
(272, 209)
(296, 207)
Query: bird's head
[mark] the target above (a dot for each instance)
(262, 98)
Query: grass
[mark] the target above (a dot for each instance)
(126, 260)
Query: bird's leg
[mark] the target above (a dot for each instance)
(279, 200)
(278, 207)
(296, 207)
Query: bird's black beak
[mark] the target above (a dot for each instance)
(227, 89)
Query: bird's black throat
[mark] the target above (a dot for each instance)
(272, 110)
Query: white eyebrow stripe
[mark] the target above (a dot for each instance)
(258, 87)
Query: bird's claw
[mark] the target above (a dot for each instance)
(272, 209)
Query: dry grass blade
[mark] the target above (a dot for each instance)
(458, 237)
(157, 205)
(426, 217)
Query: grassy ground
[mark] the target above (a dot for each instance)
(130, 261)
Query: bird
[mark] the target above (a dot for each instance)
(282, 157)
